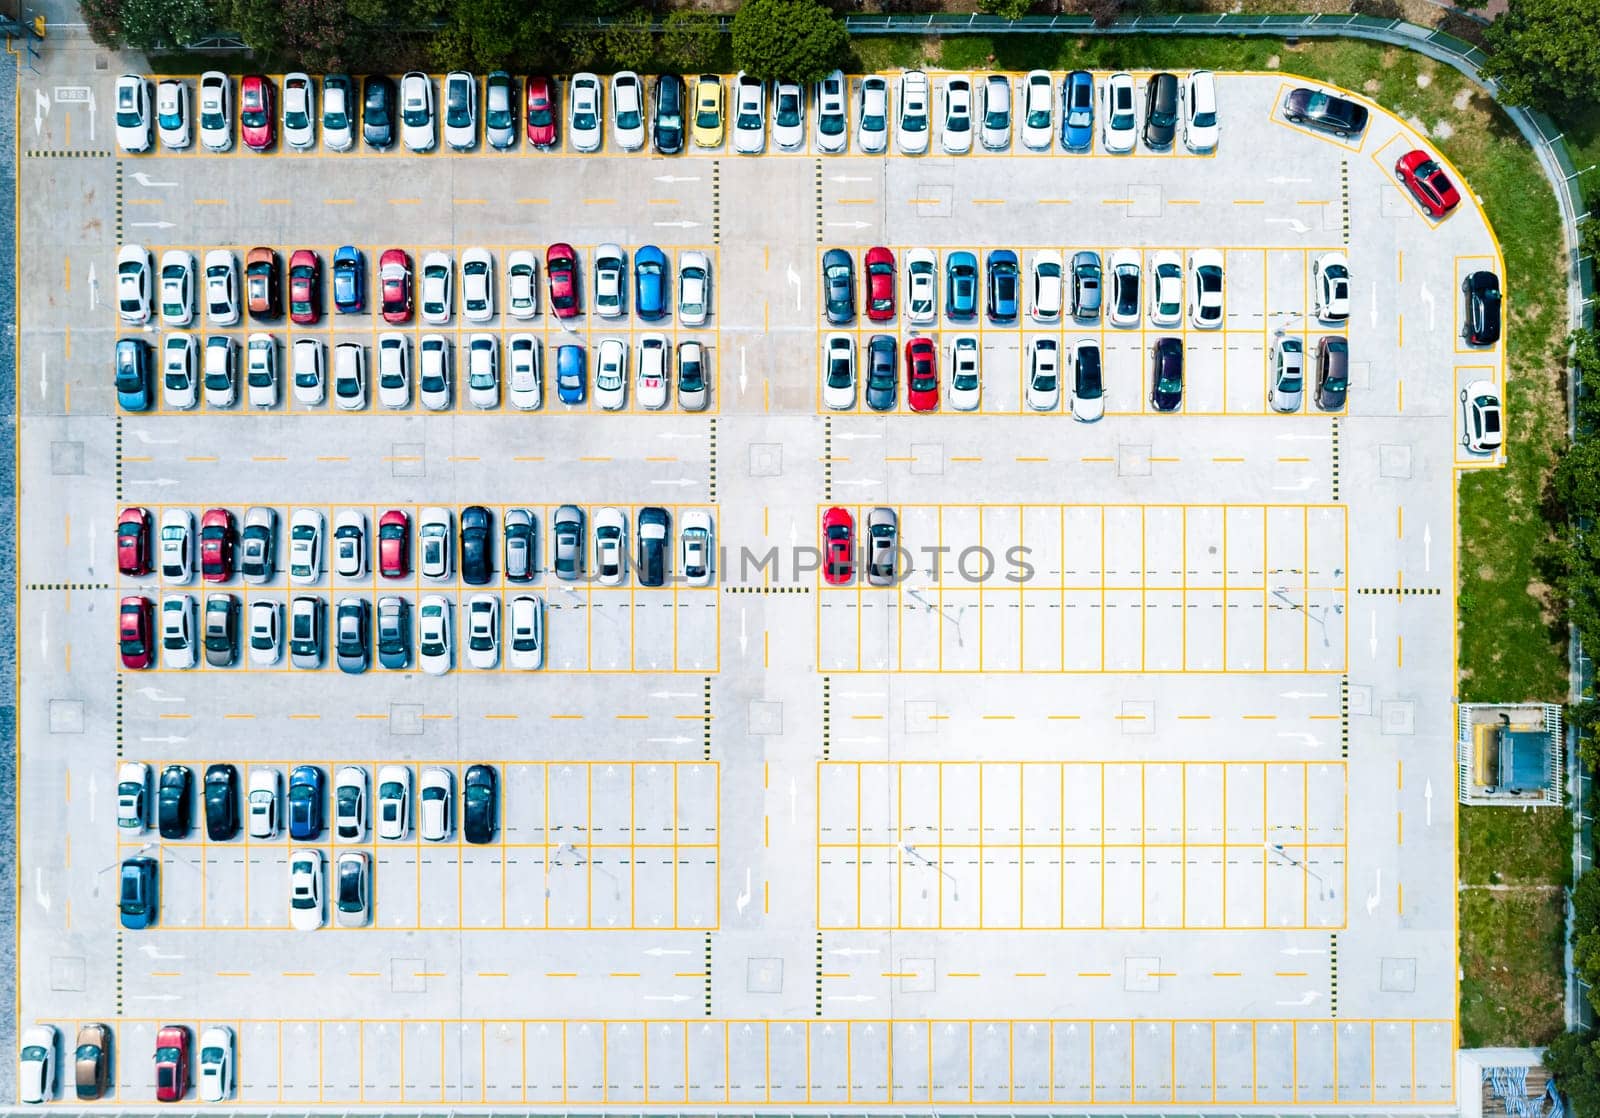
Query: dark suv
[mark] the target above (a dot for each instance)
(222, 802)
(839, 286)
(1166, 374)
(881, 373)
(654, 530)
(479, 809)
(1160, 110)
(475, 545)
(668, 127)
(172, 802)
(377, 112)
(1482, 311)
(1333, 372)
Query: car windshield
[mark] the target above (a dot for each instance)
(839, 372)
(1205, 119)
(498, 114)
(459, 105)
(709, 115)
(333, 115)
(416, 110)
(294, 110)
(788, 109)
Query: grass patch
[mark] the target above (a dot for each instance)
(1511, 997)
(1506, 846)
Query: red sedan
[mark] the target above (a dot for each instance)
(216, 545)
(880, 284)
(256, 120)
(394, 274)
(172, 1063)
(1427, 182)
(133, 541)
(394, 544)
(541, 113)
(922, 375)
(305, 287)
(135, 632)
(838, 546)
(561, 269)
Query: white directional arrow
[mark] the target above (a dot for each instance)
(849, 436)
(41, 894)
(853, 952)
(743, 899)
(850, 998)
(145, 180)
(41, 109)
(794, 278)
(94, 287)
(1427, 799)
(1377, 892)
(1427, 297)
(1302, 694)
(1292, 222)
(153, 997)
(744, 379)
(666, 997)
(681, 224)
(679, 481)
(1427, 547)
(44, 636)
(1302, 951)
(861, 482)
(150, 225)
(1372, 640)
(676, 739)
(679, 435)
(44, 379)
(161, 482)
(1304, 999)
(1284, 180)
(158, 696)
(677, 178)
(151, 950)
(673, 695)
(847, 224)
(169, 739)
(94, 794)
(866, 178)
(658, 952)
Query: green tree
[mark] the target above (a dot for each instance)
(147, 24)
(1573, 1059)
(1545, 52)
(799, 40)
(1005, 9)
(495, 34)
(689, 40)
(631, 41)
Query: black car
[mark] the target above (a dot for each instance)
(1324, 112)
(654, 530)
(350, 623)
(377, 112)
(1166, 374)
(222, 802)
(881, 373)
(839, 286)
(1482, 311)
(305, 803)
(1333, 372)
(394, 633)
(480, 811)
(475, 546)
(172, 802)
(1160, 110)
(1087, 383)
(667, 132)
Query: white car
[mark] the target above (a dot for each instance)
(1286, 375)
(299, 112)
(610, 546)
(911, 134)
(435, 302)
(694, 288)
(394, 369)
(261, 804)
(36, 1064)
(1044, 286)
(1201, 128)
(833, 115)
(180, 626)
(611, 375)
(305, 889)
(583, 112)
(435, 803)
(305, 546)
(350, 804)
(522, 284)
(350, 376)
(436, 542)
(179, 355)
(416, 111)
(433, 371)
(460, 110)
(261, 370)
(172, 114)
(956, 138)
(1088, 385)
(266, 633)
(653, 373)
(525, 653)
(749, 115)
(627, 110)
(477, 285)
(1038, 105)
(433, 635)
(218, 370)
(966, 373)
(1205, 289)
(135, 121)
(483, 370)
(177, 287)
(1119, 120)
(216, 1063)
(839, 372)
(922, 286)
(1480, 418)
(483, 631)
(1166, 289)
(222, 288)
(177, 545)
(996, 132)
(216, 111)
(305, 365)
(134, 269)
(1330, 287)
(872, 119)
(788, 115)
(1122, 299)
(133, 796)
(350, 543)
(696, 547)
(610, 280)
(524, 385)
(338, 114)
(1044, 375)
(394, 801)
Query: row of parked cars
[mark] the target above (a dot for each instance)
(176, 1062)
(673, 113)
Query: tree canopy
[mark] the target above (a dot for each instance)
(798, 40)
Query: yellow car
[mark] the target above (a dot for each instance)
(708, 111)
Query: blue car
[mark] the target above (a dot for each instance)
(961, 285)
(305, 803)
(137, 893)
(1004, 282)
(349, 280)
(650, 282)
(133, 375)
(1077, 110)
(571, 376)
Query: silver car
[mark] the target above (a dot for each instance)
(1288, 375)
(566, 531)
(996, 132)
(883, 539)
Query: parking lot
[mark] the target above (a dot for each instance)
(1175, 689)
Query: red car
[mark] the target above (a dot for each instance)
(133, 541)
(394, 274)
(256, 119)
(305, 287)
(135, 632)
(216, 545)
(1427, 182)
(541, 113)
(561, 269)
(172, 1062)
(880, 284)
(922, 375)
(838, 546)
(394, 544)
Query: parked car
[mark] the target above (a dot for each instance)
(1324, 112)
(1481, 316)
(1480, 418)
(541, 112)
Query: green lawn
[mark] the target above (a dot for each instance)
(1506, 846)
(1511, 997)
